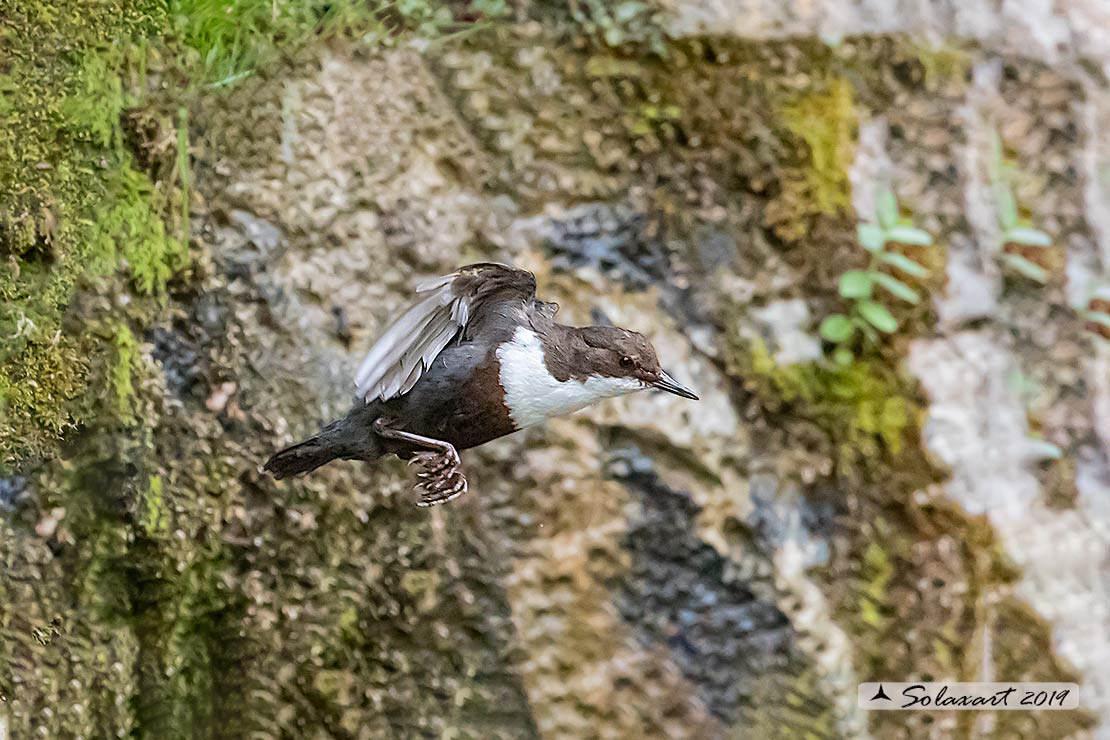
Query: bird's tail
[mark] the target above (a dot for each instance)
(349, 438)
(303, 457)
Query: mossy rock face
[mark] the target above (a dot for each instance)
(645, 569)
(74, 206)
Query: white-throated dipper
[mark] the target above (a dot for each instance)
(476, 358)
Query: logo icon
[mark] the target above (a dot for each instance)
(880, 694)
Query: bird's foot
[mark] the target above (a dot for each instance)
(435, 463)
(441, 490)
(441, 477)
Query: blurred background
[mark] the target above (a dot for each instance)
(874, 235)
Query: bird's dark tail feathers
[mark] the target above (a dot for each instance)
(303, 457)
(349, 438)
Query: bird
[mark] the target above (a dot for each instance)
(476, 357)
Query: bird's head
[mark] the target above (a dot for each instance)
(628, 358)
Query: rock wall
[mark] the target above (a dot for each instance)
(648, 567)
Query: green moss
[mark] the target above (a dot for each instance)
(132, 220)
(864, 406)
(122, 387)
(877, 572)
(154, 519)
(37, 388)
(825, 119)
(940, 63)
(132, 582)
(196, 641)
(647, 118)
(75, 206)
(81, 198)
(787, 708)
(868, 600)
(92, 229)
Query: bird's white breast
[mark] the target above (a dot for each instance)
(532, 394)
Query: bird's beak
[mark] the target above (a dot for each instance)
(670, 385)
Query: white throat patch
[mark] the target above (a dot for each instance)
(532, 394)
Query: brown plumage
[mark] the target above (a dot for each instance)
(475, 358)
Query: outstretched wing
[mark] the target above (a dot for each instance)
(447, 306)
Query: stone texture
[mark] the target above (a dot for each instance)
(649, 567)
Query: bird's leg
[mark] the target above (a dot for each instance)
(442, 478)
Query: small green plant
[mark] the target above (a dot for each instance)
(1027, 389)
(1014, 229)
(1095, 311)
(867, 315)
(623, 22)
(1041, 449)
(234, 38)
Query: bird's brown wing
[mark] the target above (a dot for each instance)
(448, 305)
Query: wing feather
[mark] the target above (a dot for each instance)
(447, 304)
(395, 343)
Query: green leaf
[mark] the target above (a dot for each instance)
(887, 209)
(837, 328)
(1043, 449)
(1007, 207)
(855, 284)
(1029, 269)
(878, 316)
(904, 263)
(997, 160)
(909, 235)
(843, 356)
(896, 287)
(871, 237)
(1097, 317)
(866, 328)
(1028, 236)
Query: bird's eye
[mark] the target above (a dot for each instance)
(626, 361)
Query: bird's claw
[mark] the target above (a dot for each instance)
(440, 480)
(444, 490)
(423, 458)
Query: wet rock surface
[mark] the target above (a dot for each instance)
(681, 593)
